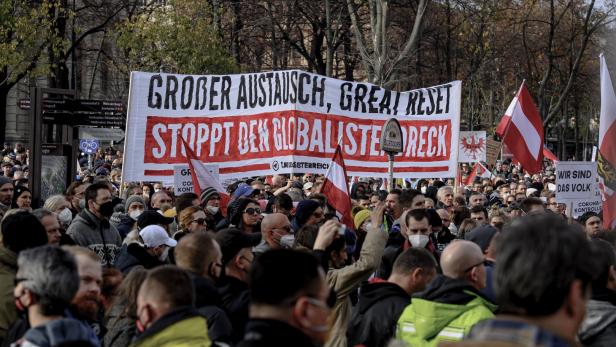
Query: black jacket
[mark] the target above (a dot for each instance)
(273, 333)
(208, 302)
(374, 318)
(236, 302)
(135, 255)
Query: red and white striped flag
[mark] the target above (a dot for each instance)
(478, 171)
(521, 128)
(335, 188)
(606, 158)
(549, 154)
(203, 178)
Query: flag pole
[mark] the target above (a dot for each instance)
(502, 142)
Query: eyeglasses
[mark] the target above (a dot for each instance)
(200, 221)
(251, 210)
(19, 280)
(483, 262)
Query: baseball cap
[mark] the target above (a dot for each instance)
(155, 235)
(232, 240)
(308, 185)
(151, 217)
(243, 190)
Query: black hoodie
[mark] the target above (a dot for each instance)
(374, 318)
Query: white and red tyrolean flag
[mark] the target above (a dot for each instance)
(203, 178)
(478, 171)
(335, 188)
(521, 128)
(606, 158)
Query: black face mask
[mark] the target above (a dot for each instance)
(106, 209)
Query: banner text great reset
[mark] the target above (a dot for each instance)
(283, 122)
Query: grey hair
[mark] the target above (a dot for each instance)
(442, 190)
(50, 273)
(53, 202)
(42, 212)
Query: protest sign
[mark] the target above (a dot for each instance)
(472, 147)
(284, 122)
(575, 181)
(182, 180)
(492, 151)
(594, 204)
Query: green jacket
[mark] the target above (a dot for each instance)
(8, 269)
(183, 327)
(445, 311)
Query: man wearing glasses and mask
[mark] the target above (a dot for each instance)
(275, 233)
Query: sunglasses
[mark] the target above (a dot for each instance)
(483, 262)
(200, 221)
(251, 210)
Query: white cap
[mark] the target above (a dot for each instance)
(530, 191)
(308, 185)
(155, 235)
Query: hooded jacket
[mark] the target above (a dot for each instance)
(58, 332)
(445, 311)
(134, 255)
(208, 302)
(599, 326)
(97, 235)
(183, 327)
(346, 280)
(374, 318)
(8, 269)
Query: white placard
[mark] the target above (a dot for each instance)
(182, 181)
(588, 205)
(472, 146)
(575, 181)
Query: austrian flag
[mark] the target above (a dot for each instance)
(606, 158)
(335, 188)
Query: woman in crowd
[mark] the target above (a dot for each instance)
(192, 220)
(59, 205)
(22, 198)
(121, 317)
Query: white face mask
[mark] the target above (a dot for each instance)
(287, 241)
(156, 190)
(212, 209)
(134, 214)
(65, 216)
(419, 240)
(165, 255)
(424, 189)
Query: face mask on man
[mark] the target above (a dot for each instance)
(164, 255)
(212, 209)
(424, 189)
(106, 209)
(134, 214)
(418, 240)
(65, 216)
(287, 241)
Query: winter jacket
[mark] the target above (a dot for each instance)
(375, 316)
(183, 327)
(59, 331)
(8, 269)
(97, 235)
(445, 311)
(236, 302)
(509, 332)
(120, 329)
(125, 226)
(273, 333)
(346, 280)
(208, 302)
(134, 255)
(392, 252)
(599, 326)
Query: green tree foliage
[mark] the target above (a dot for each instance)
(177, 37)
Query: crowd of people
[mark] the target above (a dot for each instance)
(429, 262)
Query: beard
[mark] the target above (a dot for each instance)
(85, 306)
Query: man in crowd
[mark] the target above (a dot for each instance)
(532, 205)
(476, 199)
(452, 303)
(51, 224)
(417, 235)
(289, 301)
(393, 208)
(210, 200)
(159, 198)
(20, 231)
(165, 311)
(154, 251)
(91, 227)
(237, 257)
(46, 282)
(380, 304)
(479, 214)
(6, 194)
(591, 222)
(445, 198)
(542, 296)
(274, 227)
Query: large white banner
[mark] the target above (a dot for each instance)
(284, 122)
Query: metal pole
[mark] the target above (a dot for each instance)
(391, 171)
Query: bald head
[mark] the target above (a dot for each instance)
(273, 227)
(461, 260)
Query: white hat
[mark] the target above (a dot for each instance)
(530, 191)
(155, 235)
(308, 185)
